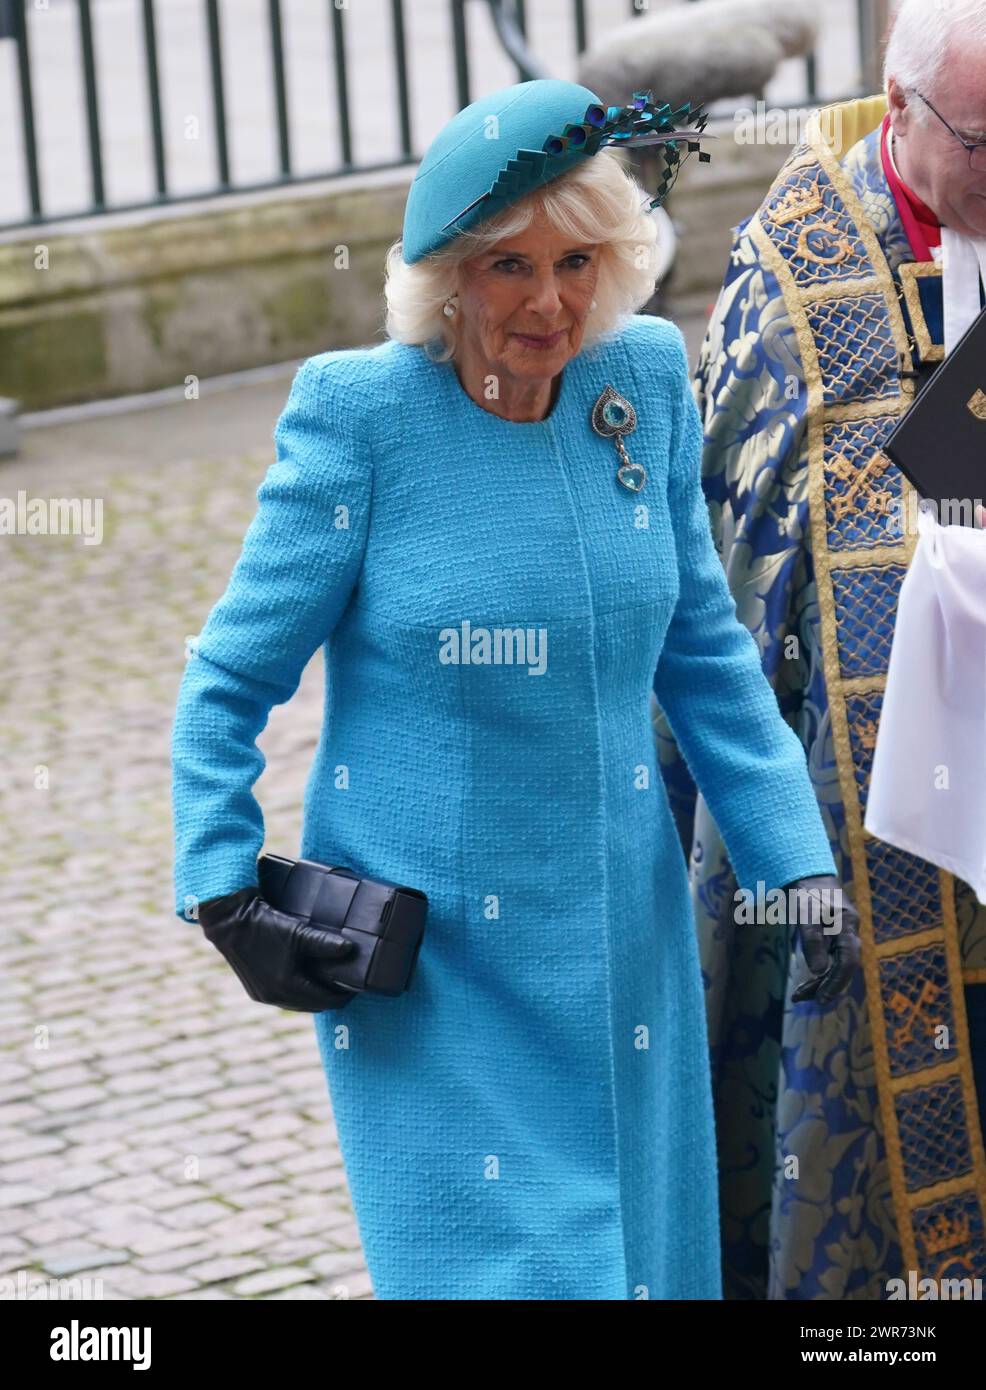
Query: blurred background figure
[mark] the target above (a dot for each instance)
(729, 48)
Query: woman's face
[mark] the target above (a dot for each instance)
(523, 304)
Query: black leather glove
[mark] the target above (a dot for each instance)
(829, 936)
(279, 959)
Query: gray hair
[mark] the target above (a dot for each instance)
(922, 33)
(598, 202)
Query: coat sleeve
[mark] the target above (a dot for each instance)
(297, 568)
(747, 761)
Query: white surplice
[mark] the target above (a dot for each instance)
(928, 784)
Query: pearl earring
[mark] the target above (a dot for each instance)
(592, 306)
(449, 307)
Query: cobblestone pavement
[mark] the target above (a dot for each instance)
(159, 1131)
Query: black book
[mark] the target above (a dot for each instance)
(940, 444)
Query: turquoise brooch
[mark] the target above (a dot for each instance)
(612, 417)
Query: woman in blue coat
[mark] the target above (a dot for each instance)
(493, 524)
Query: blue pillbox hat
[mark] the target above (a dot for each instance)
(508, 126)
(515, 139)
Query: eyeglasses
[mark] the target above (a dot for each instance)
(976, 148)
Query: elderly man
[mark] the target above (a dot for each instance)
(850, 1135)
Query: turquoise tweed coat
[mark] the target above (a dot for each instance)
(533, 1118)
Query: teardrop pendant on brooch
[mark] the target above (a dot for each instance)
(612, 417)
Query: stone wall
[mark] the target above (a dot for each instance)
(131, 303)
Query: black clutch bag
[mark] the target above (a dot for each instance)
(385, 920)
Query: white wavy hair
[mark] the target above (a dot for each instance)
(919, 43)
(598, 202)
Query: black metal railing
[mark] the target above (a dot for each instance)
(509, 19)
